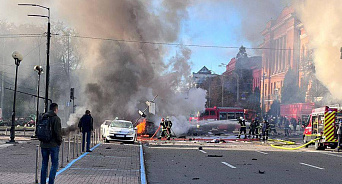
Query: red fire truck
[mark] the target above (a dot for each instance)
(218, 113)
(322, 125)
(296, 110)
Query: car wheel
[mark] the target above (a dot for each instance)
(106, 140)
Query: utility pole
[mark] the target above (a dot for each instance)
(3, 78)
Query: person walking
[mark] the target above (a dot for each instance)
(86, 126)
(257, 128)
(51, 148)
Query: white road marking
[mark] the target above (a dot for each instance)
(262, 152)
(311, 166)
(225, 163)
(331, 154)
(202, 151)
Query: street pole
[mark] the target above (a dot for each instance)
(39, 70)
(46, 102)
(263, 94)
(222, 89)
(47, 65)
(17, 58)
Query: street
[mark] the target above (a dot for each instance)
(239, 162)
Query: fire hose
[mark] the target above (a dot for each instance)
(281, 146)
(155, 132)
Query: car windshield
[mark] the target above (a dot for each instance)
(121, 124)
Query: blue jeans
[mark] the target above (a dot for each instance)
(88, 140)
(46, 152)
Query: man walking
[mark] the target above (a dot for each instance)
(51, 147)
(164, 129)
(86, 126)
(243, 127)
(168, 127)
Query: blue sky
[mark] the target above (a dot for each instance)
(212, 23)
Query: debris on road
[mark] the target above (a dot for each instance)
(195, 178)
(108, 148)
(200, 148)
(254, 159)
(261, 172)
(215, 155)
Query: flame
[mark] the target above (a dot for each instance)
(141, 127)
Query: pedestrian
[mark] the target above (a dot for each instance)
(252, 129)
(51, 147)
(265, 129)
(243, 127)
(273, 126)
(86, 126)
(168, 127)
(164, 129)
(339, 134)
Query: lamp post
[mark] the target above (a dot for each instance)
(263, 95)
(222, 65)
(17, 59)
(46, 101)
(39, 70)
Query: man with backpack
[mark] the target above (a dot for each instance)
(86, 126)
(49, 133)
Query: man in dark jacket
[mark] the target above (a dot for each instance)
(86, 126)
(51, 147)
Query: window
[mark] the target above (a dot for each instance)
(212, 113)
(238, 115)
(223, 116)
(231, 115)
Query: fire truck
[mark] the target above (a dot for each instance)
(322, 126)
(218, 113)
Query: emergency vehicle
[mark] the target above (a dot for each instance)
(323, 125)
(218, 113)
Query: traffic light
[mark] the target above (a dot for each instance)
(72, 94)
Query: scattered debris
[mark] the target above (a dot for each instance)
(200, 148)
(122, 143)
(215, 155)
(261, 172)
(254, 159)
(195, 178)
(108, 148)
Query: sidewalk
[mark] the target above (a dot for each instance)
(108, 163)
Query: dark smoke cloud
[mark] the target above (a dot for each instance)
(119, 77)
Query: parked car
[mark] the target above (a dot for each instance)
(118, 130)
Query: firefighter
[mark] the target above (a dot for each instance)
(257, 128)
(273, 126)
(164, 129)
(168, 127)
(287, 127)
(252, 129)
(265, 129)
(339, 135)
(243, 127)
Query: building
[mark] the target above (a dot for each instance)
(280, 51)
(199, 77)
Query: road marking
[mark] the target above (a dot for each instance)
(262, 152)
(311, 166)
(225, 163)
(335, 155)
(202, 151)
(142, 166)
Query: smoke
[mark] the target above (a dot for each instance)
(118, 77)
(322, 23)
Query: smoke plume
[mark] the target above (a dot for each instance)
(119, 76)
(322, 22)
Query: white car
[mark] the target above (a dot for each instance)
(118, 130)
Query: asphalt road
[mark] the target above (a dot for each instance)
(240, 163)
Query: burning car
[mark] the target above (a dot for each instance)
(118, 130)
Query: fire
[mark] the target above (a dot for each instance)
(141, 127)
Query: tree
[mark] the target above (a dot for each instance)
(290, 92)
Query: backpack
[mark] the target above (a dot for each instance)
(44, 129)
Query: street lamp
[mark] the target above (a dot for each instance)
(39, 70)
(263, 95)
(222, 65)
(47, 51)
(17, 59)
